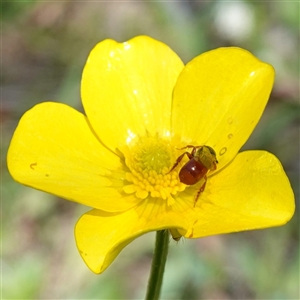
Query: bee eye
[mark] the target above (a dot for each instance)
(211, 150)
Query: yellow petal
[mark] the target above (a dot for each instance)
(252, 192)
(101, 236)
(127, 89)
(219, 98)
(54, 150)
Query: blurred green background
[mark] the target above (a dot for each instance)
(44, 48)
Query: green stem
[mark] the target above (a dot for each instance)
(158, 265)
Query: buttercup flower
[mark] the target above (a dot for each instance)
(142, 106)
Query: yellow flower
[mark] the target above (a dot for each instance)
(142, 104)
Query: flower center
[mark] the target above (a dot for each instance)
(149, 162)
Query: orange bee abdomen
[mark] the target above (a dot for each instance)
(192, 172)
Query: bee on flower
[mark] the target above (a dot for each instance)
(157, 147)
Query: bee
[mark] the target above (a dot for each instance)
(202, 159)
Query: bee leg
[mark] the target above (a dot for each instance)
(179, 159)
(215, 166)
(202, 188)
(191, 146)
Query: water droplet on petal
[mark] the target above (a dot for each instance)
(230, 135)
(230, 120)
(223, 151)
